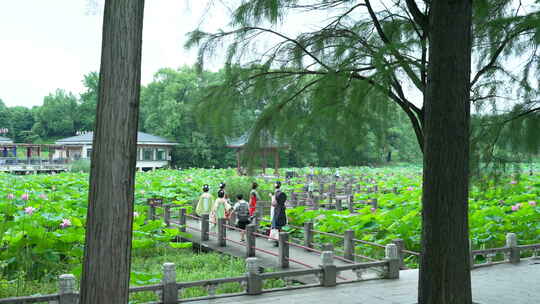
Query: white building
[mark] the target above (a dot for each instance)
(152, 151)
(5, 140)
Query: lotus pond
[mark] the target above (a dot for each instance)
(42, 218)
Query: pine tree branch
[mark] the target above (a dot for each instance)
(406, 106)
(520, 115)
(491, 64)
(414, 78)
(296, 42)
(418, 17)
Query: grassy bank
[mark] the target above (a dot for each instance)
(146, 269)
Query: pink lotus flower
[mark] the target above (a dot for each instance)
(135, 214)
(513, 182)
(515, 207)
(532, 203)
(43, 196)
(410, 188)
(25, 197)
(11, 196)
(65, 223)
(373, 209)
(29, 210)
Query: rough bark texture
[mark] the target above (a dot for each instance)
(107, 255)
(444, 268)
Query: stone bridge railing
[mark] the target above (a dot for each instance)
(511, 253)
(169, 291)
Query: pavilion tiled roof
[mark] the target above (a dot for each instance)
(142, 138)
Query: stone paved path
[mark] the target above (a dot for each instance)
(498, 284)
(268, 258)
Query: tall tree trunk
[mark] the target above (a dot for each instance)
(107, 255)
(445, 264)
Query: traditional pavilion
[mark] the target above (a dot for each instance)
(152, 151)
(4, 150)
(9, 149)
(270, 146)
(28, 158)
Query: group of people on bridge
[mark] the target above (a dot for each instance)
(222, 207)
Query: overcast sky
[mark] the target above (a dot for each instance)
(51, 44)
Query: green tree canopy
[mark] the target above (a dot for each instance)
(58, 116)
(361, 56)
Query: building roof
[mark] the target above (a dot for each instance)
(142, 139)
(5, 140)
(240, 142)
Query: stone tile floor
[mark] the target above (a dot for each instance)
(498, 284)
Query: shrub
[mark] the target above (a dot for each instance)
(81, 165)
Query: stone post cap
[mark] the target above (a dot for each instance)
(391, 251)
(511, 239)
(327, 258)
(252, 265)
(66, 284)
(169, 273)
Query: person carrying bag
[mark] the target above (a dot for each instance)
(241, 209)
(279, 217)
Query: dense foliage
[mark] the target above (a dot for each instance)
(494, 210)
(173, 106)
(352, 67)
(42, 217)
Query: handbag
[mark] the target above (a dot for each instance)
(274, 235)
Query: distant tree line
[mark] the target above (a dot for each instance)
(175, 105)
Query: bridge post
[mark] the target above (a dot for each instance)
(392, 257)
(328, 247)
(316, 201)
(254, 281)
(256, 218)
(350, 204)
(374, 203)
(308, 234)
(66, 289)
(283, 257)
(152, 212)
(205, 226)
(182, 219)
(167, 215)
(330, 200)
(511, 242)
(250, 240)
(338, 204)
(400, 246)
(170, 291)
(222, 232)
(329, 270)
(321, 188)
(349, 245)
